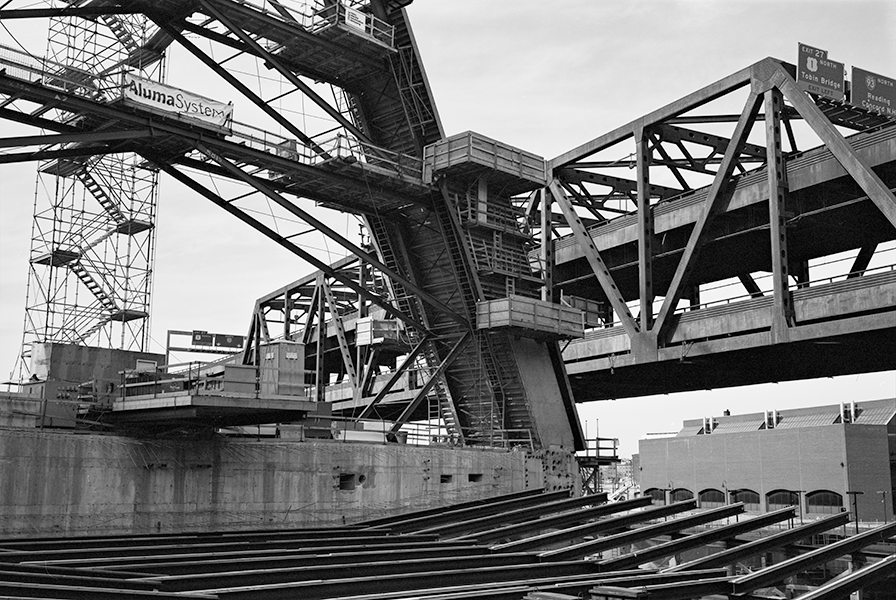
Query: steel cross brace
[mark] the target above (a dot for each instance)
(304, 254)
(597, 264)
(446, 362)
(618, 184)
(237, 84)
(402, 368)
(330, 233)
(289, 75)
(716, 201)
(336, 319)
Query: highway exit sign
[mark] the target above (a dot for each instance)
(817, 74)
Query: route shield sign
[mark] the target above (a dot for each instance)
(874, 92)
(817, 74)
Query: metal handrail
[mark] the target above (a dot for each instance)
(338, 14)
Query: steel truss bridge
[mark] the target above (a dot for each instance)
(458, 225)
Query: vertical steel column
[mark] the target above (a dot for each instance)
(783, 315)
(645, 233)
(287, 309)
(547, 246)
(319, 372)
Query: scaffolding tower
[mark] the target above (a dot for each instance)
(93, 232)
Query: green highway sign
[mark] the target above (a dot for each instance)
(873, 92)
(817, 74)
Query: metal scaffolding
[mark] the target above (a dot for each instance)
(93, 231)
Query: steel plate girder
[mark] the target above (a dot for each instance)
(564, 535)
(618, 540)
(778, 540)
(558, 520)
(843, 587)
(778, 572)
(639, 557)
(515, 516)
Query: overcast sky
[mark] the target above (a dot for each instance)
(544, 76)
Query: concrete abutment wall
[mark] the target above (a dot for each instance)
(66, 483)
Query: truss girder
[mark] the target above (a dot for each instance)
(687, 252)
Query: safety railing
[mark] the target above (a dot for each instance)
(338, 147)
(600, 448)
(21, 65)
(352, 16)
(198, 378)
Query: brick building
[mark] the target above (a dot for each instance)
(814, 458)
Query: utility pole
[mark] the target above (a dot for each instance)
(884, 501)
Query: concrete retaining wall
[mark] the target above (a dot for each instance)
(57, 483)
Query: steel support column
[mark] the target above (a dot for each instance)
(645, 233)
(547, 247)
(783, 316)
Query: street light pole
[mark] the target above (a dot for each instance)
(855, 507)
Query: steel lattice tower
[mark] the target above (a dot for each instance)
(93, 232)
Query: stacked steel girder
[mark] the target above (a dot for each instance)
(510, 547)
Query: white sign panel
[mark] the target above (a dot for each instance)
(183, 104)
(355, 18)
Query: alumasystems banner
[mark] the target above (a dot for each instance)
(159, 97)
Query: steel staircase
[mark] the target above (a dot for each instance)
(93, 285)
(429, 360)
(110, 205)
(120, 31)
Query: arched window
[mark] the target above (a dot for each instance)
(682, 494)
(824, 502)
(749, 498)
(778, 499)
(711, 498)
(658, 495)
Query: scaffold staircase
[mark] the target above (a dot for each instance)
(100, 195)
(120, 31)
(93, 285)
